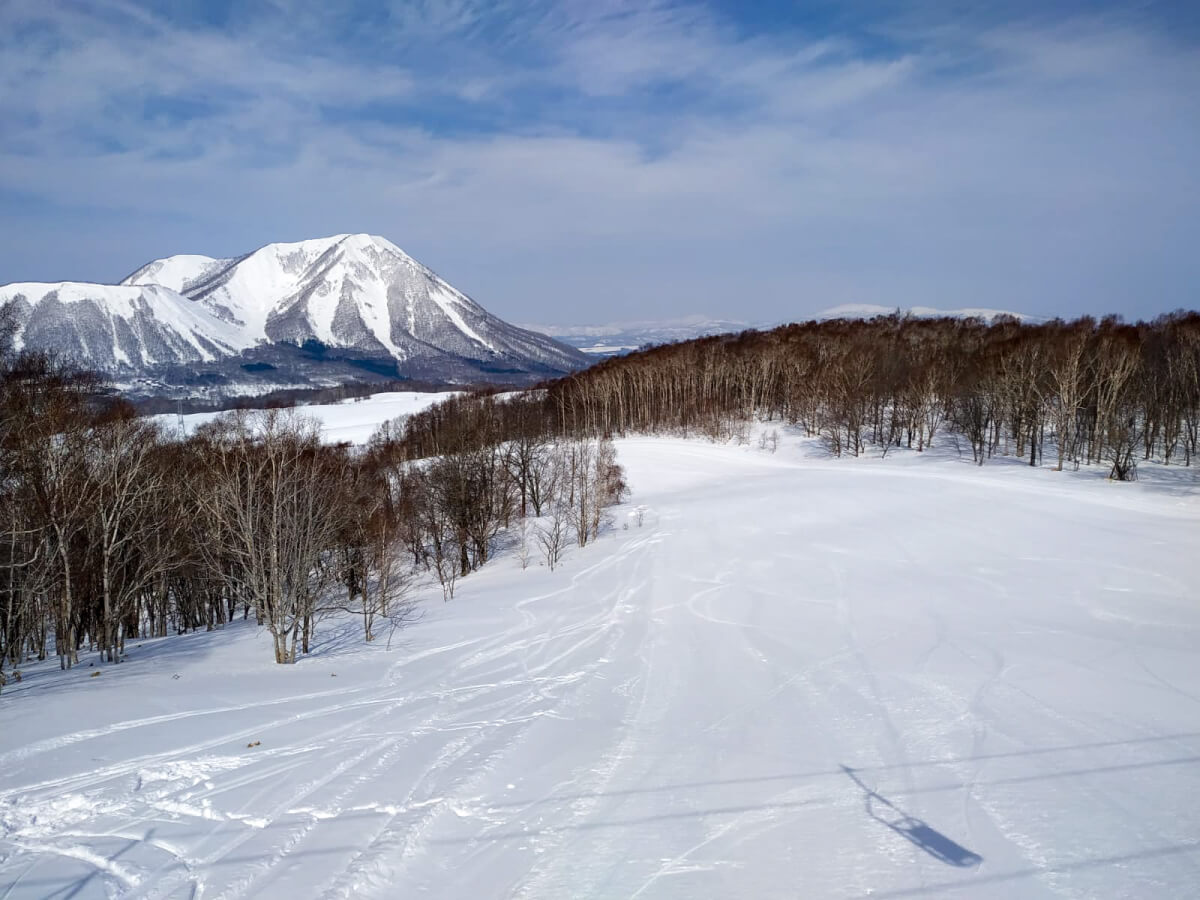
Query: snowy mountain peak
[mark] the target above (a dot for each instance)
(350, 292)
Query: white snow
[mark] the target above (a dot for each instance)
(174, 312)
(274, 277)
(175, 272)
(349, 421)
(799, 677)
(257, 283)
(277, 276)
(448, 300)
(606, 349)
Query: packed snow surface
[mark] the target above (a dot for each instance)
(797, 677)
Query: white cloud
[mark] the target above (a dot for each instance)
(641, 159)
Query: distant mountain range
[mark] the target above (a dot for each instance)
(870, 310)
(317, 313)
(623, 337)
(313, 313)
(616, 338)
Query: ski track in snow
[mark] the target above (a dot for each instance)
(797, 678)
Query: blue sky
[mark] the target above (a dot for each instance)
(583, 162)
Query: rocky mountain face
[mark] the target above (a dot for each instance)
(313, 313)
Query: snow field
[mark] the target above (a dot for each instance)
(797, 677)
(352, 421)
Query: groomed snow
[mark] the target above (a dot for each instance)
(798, 677)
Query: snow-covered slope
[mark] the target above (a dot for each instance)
(350, 294)
(353, 290)
(798, 677)
(176, 272)
(117, 328)
(349, 421)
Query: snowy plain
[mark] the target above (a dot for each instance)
(351, 421)
(796, 677)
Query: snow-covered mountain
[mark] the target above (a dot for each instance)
(870, 310)
(352, 300)
(117, 328)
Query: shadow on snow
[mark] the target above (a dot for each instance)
(912, 829)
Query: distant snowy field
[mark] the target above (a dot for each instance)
(352, 421)
(798, 677)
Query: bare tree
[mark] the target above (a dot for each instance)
(123, 521)
(272, 525)
(49, 442)
(552, 534)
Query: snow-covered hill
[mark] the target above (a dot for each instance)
(354, 297)
(118, 328)
(870, 310)
(798, 676)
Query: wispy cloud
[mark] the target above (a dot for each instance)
(553, 158)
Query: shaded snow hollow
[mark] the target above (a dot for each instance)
(798, 677)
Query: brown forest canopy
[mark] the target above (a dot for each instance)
(1089, 391)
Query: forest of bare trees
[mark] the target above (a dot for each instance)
(111, 529)
(114, 529)
(1063, 394)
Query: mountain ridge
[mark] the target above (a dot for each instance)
(356, 295)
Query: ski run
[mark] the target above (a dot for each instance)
(775, 675)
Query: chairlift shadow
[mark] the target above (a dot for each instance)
(914, 830)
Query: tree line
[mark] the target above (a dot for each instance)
(286, 398)
(1080, 392)
(113, 528)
